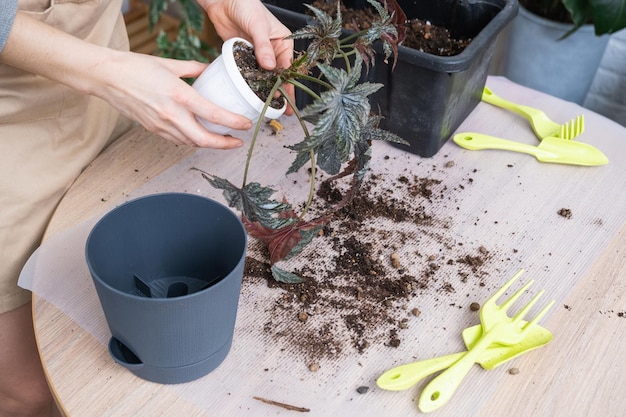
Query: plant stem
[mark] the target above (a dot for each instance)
(348, 39)
(291, 78)
(257, 128)
(311, 153)
(304, 88)
(309, 200)
(344, 55)
(296, 111)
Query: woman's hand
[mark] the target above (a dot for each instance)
(149, 90)
(145, 88)
(251, 20)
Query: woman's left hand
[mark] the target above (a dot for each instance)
(251, 20)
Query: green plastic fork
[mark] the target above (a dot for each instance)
(498, 328)
(539, 121)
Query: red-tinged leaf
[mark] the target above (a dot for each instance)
(399, 18)
(281, 242)
(393, 17)
(367, 53)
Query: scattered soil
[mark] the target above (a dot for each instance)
(259, 79)
(421, 35)
(565, 212)
(365, 273)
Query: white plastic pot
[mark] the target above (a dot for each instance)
(222, 84)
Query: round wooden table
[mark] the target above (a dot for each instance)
(580, 374)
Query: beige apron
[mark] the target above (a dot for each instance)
(48, 134)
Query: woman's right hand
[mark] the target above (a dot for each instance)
(149, 90)
(146, 88)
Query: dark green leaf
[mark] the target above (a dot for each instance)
(301, 159)
(339, 114)
(322, 143)
(324, 35)
(363, 156)
(609, 16)
(253, 201)
(328, 158)
(286, 277)
(371, 131)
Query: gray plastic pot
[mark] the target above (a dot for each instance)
(167, 269)
(536, 57)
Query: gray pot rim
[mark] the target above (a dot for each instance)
(553, 24)
(191, 296)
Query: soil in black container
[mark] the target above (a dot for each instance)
(421, 35)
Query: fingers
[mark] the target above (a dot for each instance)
(215, 141)
(175, 120)
(195, 135)
(189, 131)
(183, 68)
(268, 36)
(212, 141)
(292, 94)
(264, 51)
(283, 49)
(212, 113)
(183, 124)
(220, 142)
(191, 100)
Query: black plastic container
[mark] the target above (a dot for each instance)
(426, 97)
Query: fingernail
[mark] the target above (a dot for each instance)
(267, 61)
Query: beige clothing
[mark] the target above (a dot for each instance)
(48, 134)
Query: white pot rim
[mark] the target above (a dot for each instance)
(240, 82)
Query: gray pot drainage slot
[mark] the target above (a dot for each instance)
(170, 287)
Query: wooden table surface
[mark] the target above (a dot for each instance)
(581, 375)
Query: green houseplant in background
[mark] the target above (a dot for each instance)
(188, 44)
(606, 16)
(556, 46)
